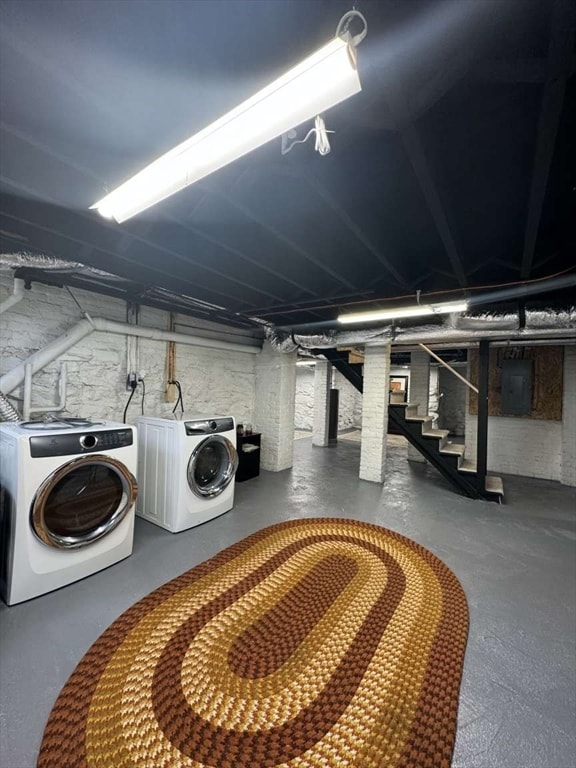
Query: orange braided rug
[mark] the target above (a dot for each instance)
(323, 643)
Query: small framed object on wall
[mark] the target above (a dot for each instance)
(398, 389)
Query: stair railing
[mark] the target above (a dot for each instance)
(446, 365)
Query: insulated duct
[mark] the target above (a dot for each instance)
(539, 324)
(27, 260)
(504, 321)
(7, 410)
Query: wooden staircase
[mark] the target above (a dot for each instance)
(446, 456)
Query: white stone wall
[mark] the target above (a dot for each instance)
(213, 381)
(527, 447)
(304, 398)
(532, 447)
(452, 403)
(349, 400)
(419, 392)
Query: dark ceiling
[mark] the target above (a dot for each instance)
(454, 168)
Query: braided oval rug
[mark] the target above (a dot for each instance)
(323, 643)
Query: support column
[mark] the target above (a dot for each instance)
(482, 433)
(322, 381)
(568, 476)
(419, 391)
(375, 413)
(274, 408)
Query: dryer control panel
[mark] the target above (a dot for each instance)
(76, 443)
(209, 426)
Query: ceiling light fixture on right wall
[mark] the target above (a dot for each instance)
(418, 310)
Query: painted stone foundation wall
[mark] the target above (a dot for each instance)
(349, 400)
(213, 382)
(452, 401)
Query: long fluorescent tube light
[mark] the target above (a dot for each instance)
(394, 314)
(324, 79)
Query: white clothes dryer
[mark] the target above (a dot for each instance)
(68, 496)
(186, 469)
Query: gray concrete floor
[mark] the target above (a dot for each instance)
(516, 563)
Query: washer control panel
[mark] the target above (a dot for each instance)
(71, 444)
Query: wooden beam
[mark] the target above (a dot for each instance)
(560, 60)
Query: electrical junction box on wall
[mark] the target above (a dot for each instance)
(517, 376)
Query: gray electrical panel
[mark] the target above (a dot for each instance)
(516, 387)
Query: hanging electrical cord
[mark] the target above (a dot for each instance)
(180, 399)
(322, 144)
(128, 404)
(141, 381)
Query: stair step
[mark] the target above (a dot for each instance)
(439, 433)
(494, 484)
(454, 449)
(419, 418)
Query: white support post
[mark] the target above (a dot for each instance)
(568, 476)
(375, 413)
(322, 380)
(274, 408)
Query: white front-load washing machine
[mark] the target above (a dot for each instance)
(68, 495)
(186, 469)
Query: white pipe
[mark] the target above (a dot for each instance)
(39, 360)
(61, 405)
(17, 295)
(27, 391)
(156, 334)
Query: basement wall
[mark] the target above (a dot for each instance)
(533, 447)
(349, 400)
(213, 382)
(453, 400)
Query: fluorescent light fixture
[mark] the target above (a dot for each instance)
(324, 79)
(419, 310)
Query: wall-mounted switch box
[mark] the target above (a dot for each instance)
(517, 384)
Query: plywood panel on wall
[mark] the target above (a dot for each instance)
(547, 384)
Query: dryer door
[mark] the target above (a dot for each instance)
(212, 466)
(82, 501)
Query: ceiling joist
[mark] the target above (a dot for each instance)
(560, 67)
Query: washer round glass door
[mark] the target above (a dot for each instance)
(212, 466)
(82, 501)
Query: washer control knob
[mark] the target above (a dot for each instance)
(88, 441)
(213, 425)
